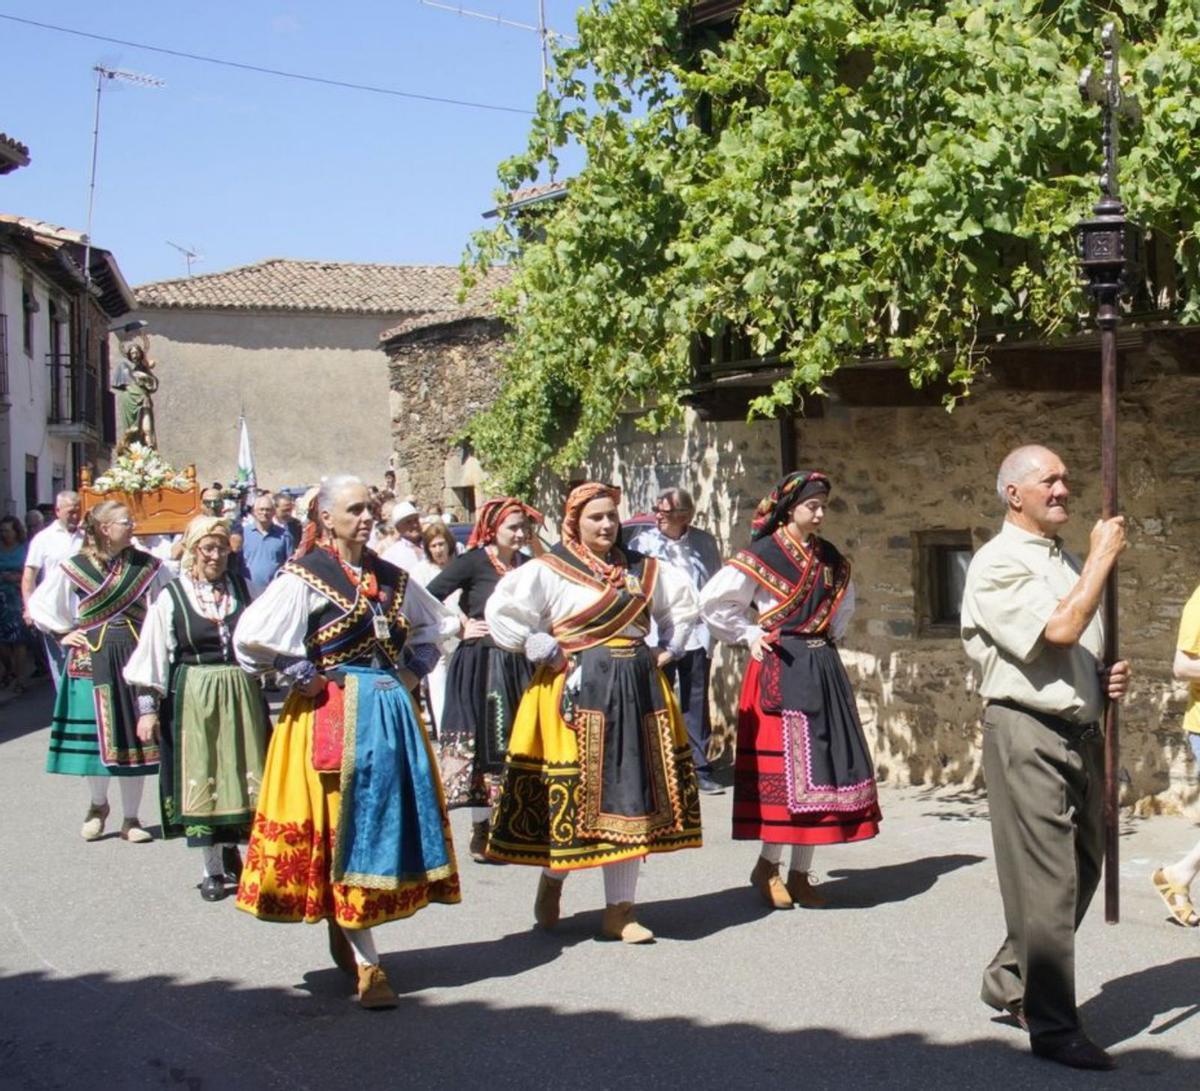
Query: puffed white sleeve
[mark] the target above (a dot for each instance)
(429, 622)
(150, 665)
(519, 608)
(274, 624)
(52, 604)
(725, 603)
(675, 609)
(840, 622)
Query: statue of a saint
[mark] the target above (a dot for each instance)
(134, 382)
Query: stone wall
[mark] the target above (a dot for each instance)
(440, 376)
(897, 472)
(900, 471)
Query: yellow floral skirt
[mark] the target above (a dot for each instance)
(287, 874)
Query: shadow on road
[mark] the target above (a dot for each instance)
(1128, 1005)
(28, 713)
(893, 883)
(74, 1032)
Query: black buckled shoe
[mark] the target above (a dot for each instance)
(213, 888)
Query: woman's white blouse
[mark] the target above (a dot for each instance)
(150, 664)
(727, 599)
(276, 622)
(54, 604)
(533, 597)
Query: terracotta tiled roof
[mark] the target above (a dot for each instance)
(13, 154)
(68, 247)
(330, 287)
(529, 195)
(483, 309)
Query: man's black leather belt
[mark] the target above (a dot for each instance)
(1067, 728)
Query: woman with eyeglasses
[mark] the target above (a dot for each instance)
(204, 711)
(94, 604)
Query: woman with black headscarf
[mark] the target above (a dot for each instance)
(803, 775)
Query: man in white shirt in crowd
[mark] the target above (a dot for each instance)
(55, 543)
(674, 541)
(408, 550)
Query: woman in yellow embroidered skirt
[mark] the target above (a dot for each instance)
(598, 773)
(351, 826)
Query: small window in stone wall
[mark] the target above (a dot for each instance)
(942, 557)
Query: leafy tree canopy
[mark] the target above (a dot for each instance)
(859, 160)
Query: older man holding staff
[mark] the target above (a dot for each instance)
(1031, 624)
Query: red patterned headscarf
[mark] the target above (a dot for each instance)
(492, 515)
(580, 497)
(774, 508)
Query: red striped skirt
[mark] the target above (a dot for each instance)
(760, 810)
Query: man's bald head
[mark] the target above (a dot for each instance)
(1020, 464)
(1032, 483)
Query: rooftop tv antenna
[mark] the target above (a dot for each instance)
(546, 36)
(189, 255)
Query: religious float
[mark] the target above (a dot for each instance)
(160, 499)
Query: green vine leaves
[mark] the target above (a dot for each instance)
(838, 179)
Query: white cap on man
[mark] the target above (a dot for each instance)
(402, 510)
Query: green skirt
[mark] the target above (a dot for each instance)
(74, 744)
(214, 740)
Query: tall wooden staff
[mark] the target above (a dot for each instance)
(1109, 257)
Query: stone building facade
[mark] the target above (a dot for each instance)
(442, 371)
(914, 493)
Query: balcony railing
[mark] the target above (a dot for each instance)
(74, 392)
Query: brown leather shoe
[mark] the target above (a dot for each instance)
(478, 846)
(765, 879)
(546, 909)
(340, 950)
(802, 891)
(374, 991)
(618, 923)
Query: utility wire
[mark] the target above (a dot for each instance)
(266, 71)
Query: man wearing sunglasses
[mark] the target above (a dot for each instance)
(674, 541)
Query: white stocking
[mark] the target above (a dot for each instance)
(364, 946)
(131, 794)
(620, 882)
(98, 790)
(802, 856)
(771, 852)
(481, 814)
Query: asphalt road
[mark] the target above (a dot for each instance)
(113, 972)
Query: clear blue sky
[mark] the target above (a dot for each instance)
(242, 166)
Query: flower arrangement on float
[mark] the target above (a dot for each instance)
(160, 498)
(140, 469)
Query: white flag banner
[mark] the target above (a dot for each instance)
(245, 462)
